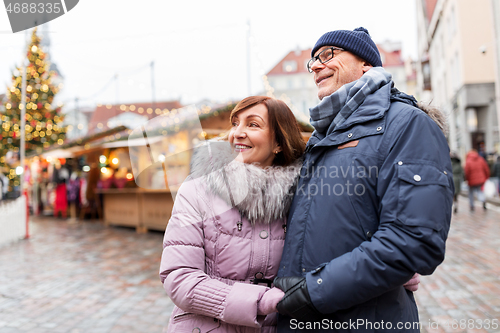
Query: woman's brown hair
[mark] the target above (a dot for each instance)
(283, 124)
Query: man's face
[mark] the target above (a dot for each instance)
(343, 68)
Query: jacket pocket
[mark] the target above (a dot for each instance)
(187, 322)
(423, 195)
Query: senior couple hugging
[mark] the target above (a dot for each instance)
(250, 248)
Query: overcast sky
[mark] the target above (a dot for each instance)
(199, 48)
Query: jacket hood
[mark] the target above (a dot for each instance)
(473, 155)
(262, 195)
(434, 113)
(399, 96)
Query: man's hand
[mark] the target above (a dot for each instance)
(296, 303)
(412, 284)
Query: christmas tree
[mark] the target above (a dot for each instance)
(43, 119)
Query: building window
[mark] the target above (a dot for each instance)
(456, 72)
(449, 28)
(443, 52)
(426, 70)
(289, 66)
(453, 22)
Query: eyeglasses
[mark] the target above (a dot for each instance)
(324, 56)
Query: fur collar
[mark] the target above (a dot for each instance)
(262, 195)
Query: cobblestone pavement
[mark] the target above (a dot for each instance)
(463, 294)
(82, 277)
(85, 277)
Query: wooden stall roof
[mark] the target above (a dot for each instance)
(213, 118)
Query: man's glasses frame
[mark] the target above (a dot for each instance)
(323, 56)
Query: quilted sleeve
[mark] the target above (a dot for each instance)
(182, 269)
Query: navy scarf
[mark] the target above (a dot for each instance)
(333, 110)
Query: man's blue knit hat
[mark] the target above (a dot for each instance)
(357, 42)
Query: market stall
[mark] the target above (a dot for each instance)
(158, 155)
(130, 176)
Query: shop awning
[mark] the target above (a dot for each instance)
(131, 143)
(62, 153)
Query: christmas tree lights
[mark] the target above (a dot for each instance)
(44, 125)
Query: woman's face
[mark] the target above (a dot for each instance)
(252, 138)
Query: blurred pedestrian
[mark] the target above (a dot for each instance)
(482, 151)
(476, 174)
(59, 178)
(458, 176)
(496, 173)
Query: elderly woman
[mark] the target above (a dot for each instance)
(223, 243)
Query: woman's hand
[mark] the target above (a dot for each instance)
(412, 285)
(269, 300)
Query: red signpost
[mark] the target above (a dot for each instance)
(25, 193)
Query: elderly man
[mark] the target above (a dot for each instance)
(373, 203)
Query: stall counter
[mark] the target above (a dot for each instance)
(136, 207)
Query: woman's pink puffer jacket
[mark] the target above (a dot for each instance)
(207, 263)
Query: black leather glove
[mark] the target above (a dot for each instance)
(296, 303)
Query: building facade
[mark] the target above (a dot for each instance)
(291, 82)
(495, 10)
(392, 61)
(456, 69)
